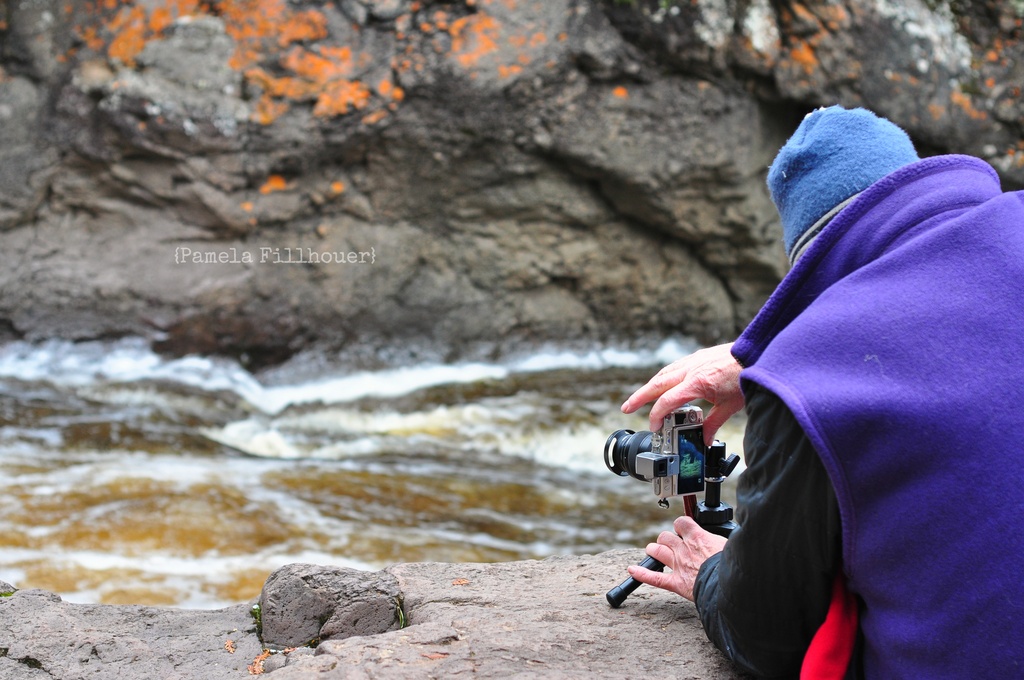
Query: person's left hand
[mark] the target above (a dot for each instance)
(712, 374)
(683, 552)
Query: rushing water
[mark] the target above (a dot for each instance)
(135, 479)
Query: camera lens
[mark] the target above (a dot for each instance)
(621, 450)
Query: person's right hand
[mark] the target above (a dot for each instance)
(711, 374)
(683, 552)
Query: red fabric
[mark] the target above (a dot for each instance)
(831, 649)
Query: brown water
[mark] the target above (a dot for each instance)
(131, 479)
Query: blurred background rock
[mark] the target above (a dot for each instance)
(525, 172)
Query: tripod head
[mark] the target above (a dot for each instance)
(712, 514)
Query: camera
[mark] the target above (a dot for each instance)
(677, 463)
(672, 459)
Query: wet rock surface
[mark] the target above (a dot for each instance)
(442, 179)
(546, 618)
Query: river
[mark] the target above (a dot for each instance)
(132, 478)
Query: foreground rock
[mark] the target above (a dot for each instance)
(44, 637)
(302, 604)
(522, 619)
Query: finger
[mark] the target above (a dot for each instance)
(654, 388)
(672, 399)
(717, 416)
(662, 552)
(685, 527)
(662, 380)
(687, 371)
(699, 543)
(652, 578)
(670, 542)
(635, 401)
(668, 538)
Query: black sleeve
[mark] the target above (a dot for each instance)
(764, 596)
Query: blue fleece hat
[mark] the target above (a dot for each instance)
(835, 154)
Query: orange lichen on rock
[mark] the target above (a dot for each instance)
(129, 28)
(620, 92)
(268, 110)
(507, 71)
(307, 25)
(132, 25)
(996, 55)
(341, 95)
(257, 24)
(323, 75)
(90, 36)
(478, 35)
(285, 87)
(802, 13)
(474, 36)
(272, 49)
(803, 54)
(256, 667)
(274, 183)
(965, 103)
(834, 17)
(326, 74)
(324, 65)
(402, 25)
(160, 19)
(389, 90)
(375, 117)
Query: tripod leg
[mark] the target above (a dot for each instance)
(617, 595)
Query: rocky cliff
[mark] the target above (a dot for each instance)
(532, 619)
(393, 179)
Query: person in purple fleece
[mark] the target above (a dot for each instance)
(883, 382)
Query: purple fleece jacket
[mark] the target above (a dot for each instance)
(897, 341)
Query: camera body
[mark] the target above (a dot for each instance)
(671, 459)
(676, 463)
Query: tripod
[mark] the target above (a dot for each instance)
(712, 514)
